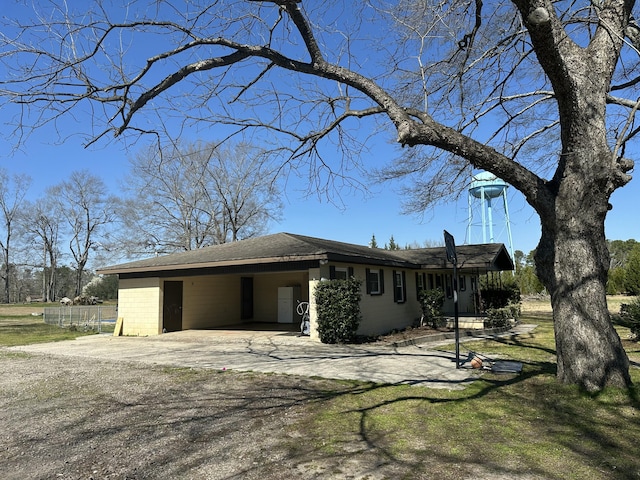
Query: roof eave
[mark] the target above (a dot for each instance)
(199, 265)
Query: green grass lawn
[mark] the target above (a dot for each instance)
(18, 326)
(25, 334)
(509, 425)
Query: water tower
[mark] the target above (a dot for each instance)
(485, 190)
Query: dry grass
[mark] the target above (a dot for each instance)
(543, 304)
(503, 426)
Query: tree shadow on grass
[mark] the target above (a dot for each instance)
(521, 425)
(513, 425)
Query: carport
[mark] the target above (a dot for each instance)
(239, 300)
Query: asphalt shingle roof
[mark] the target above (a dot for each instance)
(287, 247)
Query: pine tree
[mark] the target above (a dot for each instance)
(632, 272)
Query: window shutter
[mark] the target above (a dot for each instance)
(395, 287)
(404, 286)
(381, 281)
(367, 274)
(332, 272)
(350, 272)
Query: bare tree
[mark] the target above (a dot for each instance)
(41, 220)
(189, 196)
(245, 185)
(168, 208)
(82, 203)
(542, 94)
(12, 192)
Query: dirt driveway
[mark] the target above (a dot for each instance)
(107, 416)
(66, 418)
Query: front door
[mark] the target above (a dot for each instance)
(246, 294)
(172, 307)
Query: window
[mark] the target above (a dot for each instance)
(449, 287)
(462, 283)
(340, 273)
(399, 292)
(420, 283)
(375, 281)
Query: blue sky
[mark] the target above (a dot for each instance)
(355, 218)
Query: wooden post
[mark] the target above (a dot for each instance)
(117, 331)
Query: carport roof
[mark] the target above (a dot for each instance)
(283, 248)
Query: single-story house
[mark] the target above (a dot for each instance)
(259, 281)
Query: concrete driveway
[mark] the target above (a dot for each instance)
(273, 352)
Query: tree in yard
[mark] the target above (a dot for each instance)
(190, 196)
(13, 188)
(244, 184)
(632, 272)
(41, 222)
(525, 274)
(540, 93)
(82, 203)
(615, 281)
(620, 250)
(103, 287)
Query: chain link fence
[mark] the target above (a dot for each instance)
(100, 318)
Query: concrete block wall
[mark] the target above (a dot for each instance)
(210, 301)
(140, 305)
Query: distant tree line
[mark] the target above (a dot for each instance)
(393, 245)
(624, 269)
(176, 198)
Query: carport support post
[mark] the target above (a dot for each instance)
(455, 314)
(450, 248)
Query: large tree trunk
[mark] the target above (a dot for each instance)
(589, 350)
(572, 257)
(573, 260)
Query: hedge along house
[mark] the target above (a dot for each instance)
(257, 283)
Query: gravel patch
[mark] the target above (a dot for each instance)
(67, 418)
(72, 417)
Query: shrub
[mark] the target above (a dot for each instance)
(630, 317)
(501, 305)
(502, 317)
(431, 302)
(338, 310)
(500, 297)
